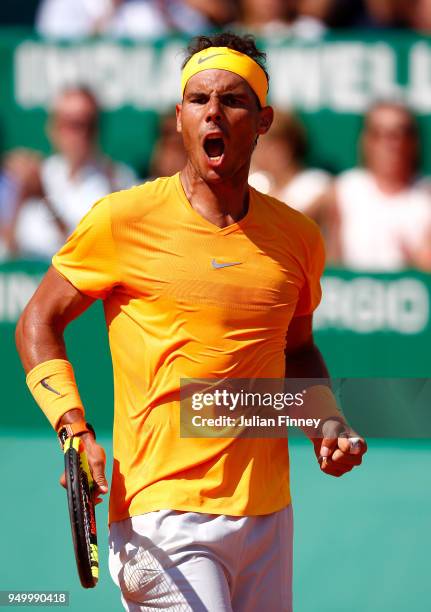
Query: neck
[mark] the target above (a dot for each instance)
(76, 163)
(223, 202)
(393, 183)
(284, 175)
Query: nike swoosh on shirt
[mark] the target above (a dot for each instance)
(48, 386)
(217, 266)
(201, 60)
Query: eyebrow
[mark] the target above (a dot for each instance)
(234, 91)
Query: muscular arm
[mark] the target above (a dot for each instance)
(39, 338)
(39, 333)
(304, 360)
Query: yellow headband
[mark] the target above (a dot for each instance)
(223, 58)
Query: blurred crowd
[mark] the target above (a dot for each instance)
(376, 216)
(143, 18)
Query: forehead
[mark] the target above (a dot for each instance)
(389, 117)
(218, 81)
(74, 103)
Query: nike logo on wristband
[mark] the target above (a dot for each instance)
(48, 386)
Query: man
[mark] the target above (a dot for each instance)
(61, 189)
(168, 156)
(198, 282)
(383, 210)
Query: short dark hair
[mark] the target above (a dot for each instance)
(289, 128)
(244, 44)
(398, 106)
(81, 90)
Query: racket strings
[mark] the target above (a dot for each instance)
(85, 504)
(88, 519)
(82, 518)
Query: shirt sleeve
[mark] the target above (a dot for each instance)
(311, 292)
(88, 259)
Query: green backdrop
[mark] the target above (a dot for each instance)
(331, 83)
(371, 326)
(361, 542)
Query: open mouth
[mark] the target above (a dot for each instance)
(214, 146)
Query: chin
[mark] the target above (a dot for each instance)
(215, 176)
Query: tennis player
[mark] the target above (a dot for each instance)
(201, 277)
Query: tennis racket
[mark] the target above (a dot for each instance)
(80, 484)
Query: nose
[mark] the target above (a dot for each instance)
(213, 114)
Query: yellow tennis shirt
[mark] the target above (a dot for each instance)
(174, 312)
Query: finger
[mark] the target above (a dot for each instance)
(98, 473)
(345, 459)
(63, 480)
(327, 446)
(352, 445)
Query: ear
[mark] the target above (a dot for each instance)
(266, 117)
(178, 110)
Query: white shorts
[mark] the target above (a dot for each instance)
(182, 561)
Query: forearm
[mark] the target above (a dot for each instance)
(50, 376)
(41, 346)
(307, 362)
(39, 333)
(320, 402)
(38, 341)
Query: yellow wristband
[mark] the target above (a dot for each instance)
(53, 386)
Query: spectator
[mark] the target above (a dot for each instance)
(418, 15)
(283, 17)
(169, 155)
(69, 181)
(18, 180)
(383, 210)
(367, 14)
(278, 166)
(186, 16)
(131, 18)
(74, 18)
(9, 196)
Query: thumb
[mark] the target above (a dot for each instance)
(99, 477)
(331, 430)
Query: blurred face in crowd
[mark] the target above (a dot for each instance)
(169, 156)
(73, 126)
(265, 11)
(419, 15)
(390, 143)
(273, 155)
(220, 119)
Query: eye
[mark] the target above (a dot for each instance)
(230, 100)
(233, 100)
(199, 99)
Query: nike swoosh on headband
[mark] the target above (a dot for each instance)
(217, 266)
(201, 60)
(48, 386)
